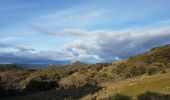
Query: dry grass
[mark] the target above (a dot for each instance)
(132, 87)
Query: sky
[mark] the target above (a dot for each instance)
(91, 31)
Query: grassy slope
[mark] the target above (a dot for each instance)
(158, 54)
(157, 83)
(132, 87)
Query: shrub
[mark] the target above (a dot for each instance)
(153, 96)
(46, 76)
(67, 71)
(135, 71)
(101, 77)
(157, 64)
(9, 67)
(83, 70)
(168, 65)
(142, 70)
(156, 67)
(39, 85)
(72, 70)
(162, 71)
(8, 84)
(98, 66)
(74, 81)
(152, 71)
(66, 83)
(127, 75)
(120, 68)
(120, 97)
(79, 81)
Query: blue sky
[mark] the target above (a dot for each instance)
(85, 30)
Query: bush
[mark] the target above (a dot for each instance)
(72, 70)
(39, 85)
(135, 71)
(9, 85)
(66, 83)
(120, 97)
(152, 71)
(75, 81)
(46, 76)
(120, 68)
(153, 96)
(168, 65)
(157, 64)
(83, 70)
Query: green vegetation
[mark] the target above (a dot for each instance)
(123, 80)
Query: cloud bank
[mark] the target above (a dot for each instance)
(16, 47)
(94, 46)
(104, 46)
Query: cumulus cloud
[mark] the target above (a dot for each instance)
(112, 46)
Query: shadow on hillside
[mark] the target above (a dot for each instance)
(76, 93)
(41, 90)
(61, 94)
(145, 96)
(38, 90)
(153, 96)
(35, 86)
(8, 92)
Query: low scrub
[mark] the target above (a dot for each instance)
(153, 96)
(120, 97)
(9, 85)
(39, 85)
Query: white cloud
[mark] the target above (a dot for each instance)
(111, 46)
(16, 47)
(98, 45)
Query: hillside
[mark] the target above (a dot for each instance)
(133, 77)
(7, 67)
(135, 86)
(157, 54)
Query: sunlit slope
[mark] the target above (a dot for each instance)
(133, 87)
